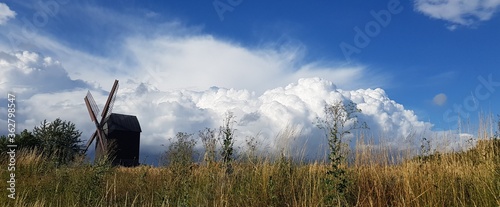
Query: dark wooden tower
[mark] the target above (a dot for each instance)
(118, 135)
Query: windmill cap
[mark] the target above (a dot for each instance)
(122, 122)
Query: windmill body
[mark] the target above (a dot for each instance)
(123, 134)
(118, 135)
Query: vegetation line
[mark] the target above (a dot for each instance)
(53, 174)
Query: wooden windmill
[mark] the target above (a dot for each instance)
(118, 135)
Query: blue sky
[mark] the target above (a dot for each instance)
(425, 49)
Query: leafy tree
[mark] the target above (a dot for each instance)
(3, 144)
(27, 140)
(339, 120)
(59, 140)
(24, 141)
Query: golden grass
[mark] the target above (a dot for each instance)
(470, 178)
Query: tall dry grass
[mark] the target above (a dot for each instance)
(470, 178)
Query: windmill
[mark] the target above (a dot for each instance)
(118, 135)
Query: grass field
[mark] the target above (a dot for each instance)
(470, 178)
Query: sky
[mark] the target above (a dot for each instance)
(415, 68)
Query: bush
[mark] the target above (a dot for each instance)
(226, 135)
(181, 152)
(210, 143)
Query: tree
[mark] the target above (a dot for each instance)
(24, 141)
(339, 120)
(59, 140)
(3, 144)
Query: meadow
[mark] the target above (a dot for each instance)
(468, 178)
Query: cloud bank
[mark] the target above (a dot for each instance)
(45, 91)
(459, 12)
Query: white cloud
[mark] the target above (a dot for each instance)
(173, 61)
(5, 13)
(459, 12)
(199, 62)
(162, 113)
(440, 99)
(177, 65)
(170, 55)
(28, 73)
(42, 88)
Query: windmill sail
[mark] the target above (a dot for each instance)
(93, 106)
(108, 108)
(93, 112)
(90, 141)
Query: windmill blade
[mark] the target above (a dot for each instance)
(100, 134)
(97, 133)
(90, 141)
(91, 106)
(108, 108)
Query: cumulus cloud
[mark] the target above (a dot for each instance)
(297, 105)
(458, 12)
(5, 13)
(440, 99)
(162, 113)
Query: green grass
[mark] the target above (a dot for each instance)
(470, 178)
